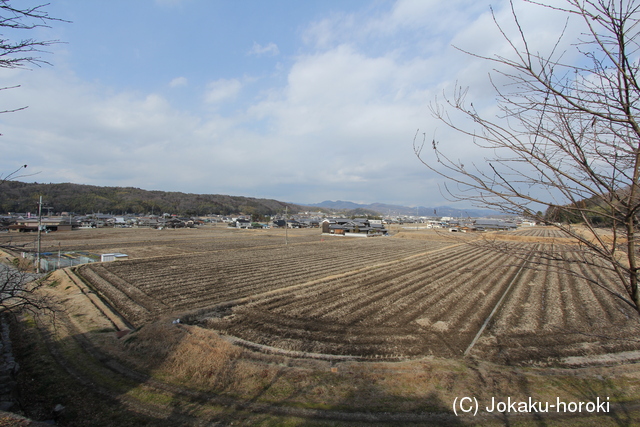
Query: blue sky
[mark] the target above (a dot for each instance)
(299, 101)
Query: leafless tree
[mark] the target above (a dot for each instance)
(565, 148)
(21, 291)
(21, 52)
(20, 288)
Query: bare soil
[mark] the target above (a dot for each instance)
(419, 293)
(392, 317)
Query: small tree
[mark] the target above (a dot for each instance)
(18, 289)
(567, 140)
(22, 52)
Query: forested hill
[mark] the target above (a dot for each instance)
(18, 196)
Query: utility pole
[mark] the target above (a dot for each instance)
(39, 234)
(286, 225)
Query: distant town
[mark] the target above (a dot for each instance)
(335, 223)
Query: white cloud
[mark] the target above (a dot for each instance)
(339, 125)
(178, 82)
(270, 49)
(331, 30)
(346, 92)
(222, 90)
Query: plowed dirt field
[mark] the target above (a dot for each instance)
(399, 297)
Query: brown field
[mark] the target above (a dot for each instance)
(412, 295)
(349, 330)
(146, 242)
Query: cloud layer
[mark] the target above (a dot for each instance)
(331, 117)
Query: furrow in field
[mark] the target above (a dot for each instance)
(526, 305)
(551, 311)
(416, 286)
(439, 284)
(477, 304)
(607, 308)
(360, 288)
(448, 295)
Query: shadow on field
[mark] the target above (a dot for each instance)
(619, 411)
(255, 388)
(558, 397)
(221, 385)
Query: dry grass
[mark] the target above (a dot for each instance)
(527, 239)
(444, 235)
(197, 358)
(187, 354)
(203, 360)
(22, 264)
(432, 235)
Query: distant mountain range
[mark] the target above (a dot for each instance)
(18, 196)
(385, 209)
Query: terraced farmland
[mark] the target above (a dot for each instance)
(377, 298)
(435, 305)
(430, 304)
(555, 314)
(145, 288)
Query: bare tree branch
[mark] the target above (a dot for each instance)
(566, 141)
(15, 175)
(20, 291)
(19, 53)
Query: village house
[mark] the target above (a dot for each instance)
(242, 223)
(494, 224)
(352, 227)
(48, 224)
